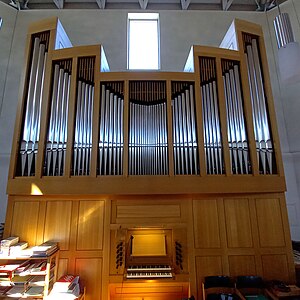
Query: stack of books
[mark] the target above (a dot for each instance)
(7, 272)
(6, 244)
(67, 288)
(45, 249)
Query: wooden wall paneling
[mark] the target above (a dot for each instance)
(149, 211)
(270, 225)
(63, 267)
(207, 266)
(149, 291)
(90, 225)
(58, 222)
(90, 272)
(25, 221)
(238, 224)
(242, 265)
(275, 266)
(206, 224)
(286, 229)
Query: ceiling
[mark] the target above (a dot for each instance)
(237, 5)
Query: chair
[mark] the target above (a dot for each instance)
(251, 288)
(218, 288)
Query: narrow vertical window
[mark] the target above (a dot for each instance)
(143, 41)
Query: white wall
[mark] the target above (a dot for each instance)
(179, 30)
(290, 105)
(6, 35)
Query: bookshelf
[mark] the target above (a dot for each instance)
(34, 281)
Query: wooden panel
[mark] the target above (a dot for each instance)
(57, 224)
(157, 291)
(91, 220)
(238, 225)
(25, 220)
(275, 267)
(242, 265)
(90, 272)
(206, 224)
(148, 211)
(207, 266)
(270, 225)
(62, 267)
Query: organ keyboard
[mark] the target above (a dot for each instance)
(149, 271)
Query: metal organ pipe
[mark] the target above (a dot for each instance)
(83, 117)
(57, 125)
(237, 135)
(262, 133)
(111, 129)
(148, 128)
(211, 120)
(184, 129)
(31, 125)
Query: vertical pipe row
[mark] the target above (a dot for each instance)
(57, 126)
(83, 117)
(236, 128)
(262, 133)
(111, 129)
(31, 118)
(148, 141)
(211, 120)
(185, 145)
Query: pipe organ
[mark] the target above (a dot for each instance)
(99, 157)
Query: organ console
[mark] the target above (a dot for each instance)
(150, 181)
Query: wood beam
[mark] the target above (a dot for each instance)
(59, 3)
(143, 4)
(226, 4)
(101, 3)
(185, 4)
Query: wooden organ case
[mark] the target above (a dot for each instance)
(190, 160)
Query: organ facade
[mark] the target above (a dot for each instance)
(106, 162)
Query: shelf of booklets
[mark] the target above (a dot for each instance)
(36, 285)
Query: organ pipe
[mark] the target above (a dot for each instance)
(57, 125)
(148, 140)
(82, 148)
(211, 120)
(185, 145)
(236, 126)
(111, 138)
(33, 100)
(262, 132)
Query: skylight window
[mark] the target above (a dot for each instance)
(143, 41)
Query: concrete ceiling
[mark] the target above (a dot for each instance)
(237, 5)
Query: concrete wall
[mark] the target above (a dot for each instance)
(178, 31)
